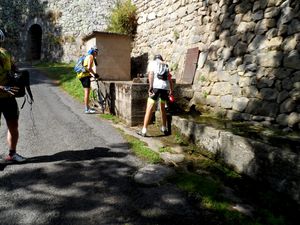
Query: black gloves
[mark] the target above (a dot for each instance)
(10, 90)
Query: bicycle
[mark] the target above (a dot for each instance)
(99, 95)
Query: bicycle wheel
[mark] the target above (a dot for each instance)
(101, 101)
(98, 101)
(94, 103)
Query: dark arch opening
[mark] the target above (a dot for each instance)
(34, 42)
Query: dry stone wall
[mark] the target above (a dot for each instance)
(249, 63)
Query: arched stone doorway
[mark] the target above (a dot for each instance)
(34, 42)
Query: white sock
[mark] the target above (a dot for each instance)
(144, 130)
(163, 128)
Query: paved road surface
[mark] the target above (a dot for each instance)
(79, 171)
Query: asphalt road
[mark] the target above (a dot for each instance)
(79, 171)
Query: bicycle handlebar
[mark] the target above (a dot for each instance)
(95, 79)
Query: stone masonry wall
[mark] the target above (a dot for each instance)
(63, 24)
(249, 63)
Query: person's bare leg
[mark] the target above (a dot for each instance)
(163, 114)
(12, 134)
(149, 111)
(86, 97)
(12, 140)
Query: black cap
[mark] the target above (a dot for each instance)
(158, 56)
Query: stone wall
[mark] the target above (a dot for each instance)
(249, 63)
(274, 164)
(63, 25)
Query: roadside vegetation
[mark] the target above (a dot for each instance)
(141, 150)
(225, 197)
(64, 76)
(123, 18)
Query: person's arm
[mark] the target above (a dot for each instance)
(90, 66)
(8, 89)
(151, 78)
(171, 84)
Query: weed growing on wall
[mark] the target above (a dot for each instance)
(123, 18)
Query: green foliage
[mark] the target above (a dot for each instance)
(111, 117)
(123, 18)
(53, 15)
(179, 139)
(202, 78)
(53, 39)
(165, 149)
(174, 67)
(176, 35)
(141, 150)
(64, 76)
(68, 39)
(199, 185)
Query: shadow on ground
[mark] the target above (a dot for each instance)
(88, 187)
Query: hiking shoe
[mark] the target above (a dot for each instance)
(15, 158)
(165, 132)
(141, 133)
(90, 111)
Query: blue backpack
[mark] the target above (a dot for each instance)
(78, 68)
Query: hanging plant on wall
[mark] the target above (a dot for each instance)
(123, 18)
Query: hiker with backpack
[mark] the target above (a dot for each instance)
(8, 104)
(84, 69)
(160, 88)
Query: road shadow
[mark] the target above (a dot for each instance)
(90, 187)
(73, 156)
(70, 156)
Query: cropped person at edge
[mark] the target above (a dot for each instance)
(84, 77)
(8, 104)
(159, 89)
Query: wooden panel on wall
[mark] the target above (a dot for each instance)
(190, 66)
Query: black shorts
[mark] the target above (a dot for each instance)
(86, 82)
(9, 108)
(160, 93)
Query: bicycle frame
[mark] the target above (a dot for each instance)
(99, 97)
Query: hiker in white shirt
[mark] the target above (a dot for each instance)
(160, 88)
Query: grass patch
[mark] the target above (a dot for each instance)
(179, 139)
(141, 150)
(207, 191)
(165, 149)
(65, 76)
(111, 117)
(196, 184)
